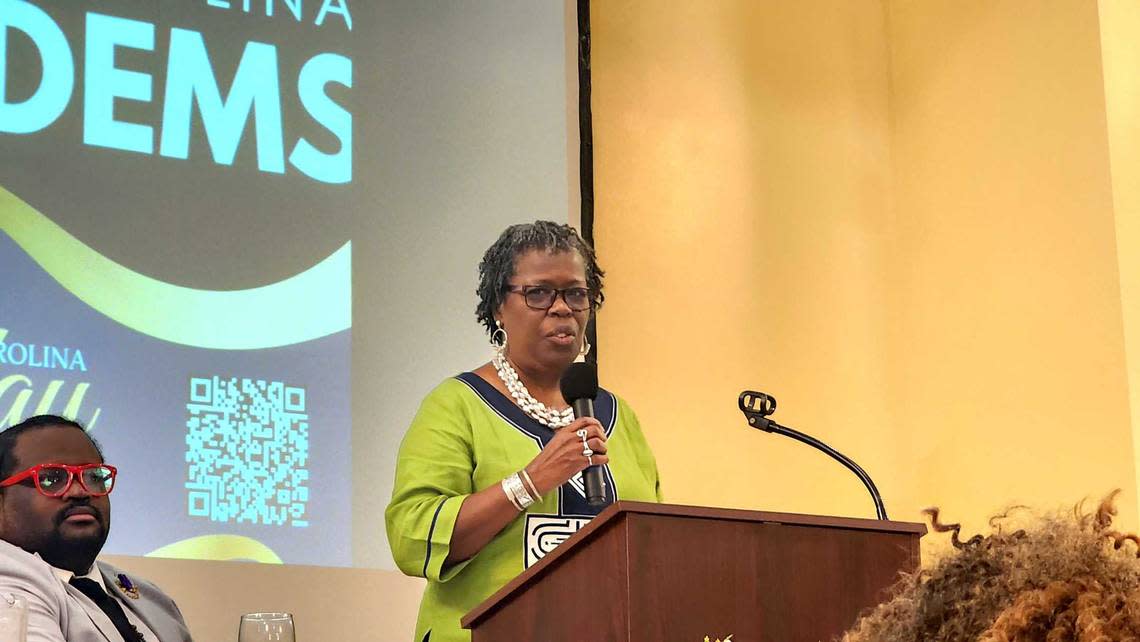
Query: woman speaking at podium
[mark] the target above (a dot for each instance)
(488, 477)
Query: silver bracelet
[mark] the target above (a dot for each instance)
(510, 495)
(521, 493)
(530, 485)
(513, 485)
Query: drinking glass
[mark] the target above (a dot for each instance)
(13, 618)
(266, 627)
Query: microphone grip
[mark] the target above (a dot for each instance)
(593, 476)
(595, 485)
(583, 407)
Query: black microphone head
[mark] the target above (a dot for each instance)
(580, 381)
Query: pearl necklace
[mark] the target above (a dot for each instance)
(531, 406)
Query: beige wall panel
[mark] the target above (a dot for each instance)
(897, 219)
(1120, 50)
(327, 604)
(743, 178)
(1007, 354)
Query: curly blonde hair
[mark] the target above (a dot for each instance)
(1070, 578)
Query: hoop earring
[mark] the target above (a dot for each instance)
(499, 338)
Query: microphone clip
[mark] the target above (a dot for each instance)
(757, 407)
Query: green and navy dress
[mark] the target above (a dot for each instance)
(468, 436)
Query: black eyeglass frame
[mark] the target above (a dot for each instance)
(525, 291)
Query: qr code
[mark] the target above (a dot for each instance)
(248, 447)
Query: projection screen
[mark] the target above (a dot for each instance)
(238, 241)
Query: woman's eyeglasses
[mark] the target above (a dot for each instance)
(54, 480)
(542, 297)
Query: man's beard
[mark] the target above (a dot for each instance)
(75, 553)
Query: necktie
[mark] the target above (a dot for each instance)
(110, 606)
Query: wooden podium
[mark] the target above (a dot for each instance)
(643, 572)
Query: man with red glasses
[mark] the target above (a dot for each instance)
(55, 514)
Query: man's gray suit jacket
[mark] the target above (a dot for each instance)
(58, 612)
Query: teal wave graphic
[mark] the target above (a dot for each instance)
(309, 305)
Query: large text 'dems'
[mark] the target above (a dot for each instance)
(190, 79)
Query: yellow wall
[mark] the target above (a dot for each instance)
(1008, 345)
(896, 217)
(1120, 24)
(743, 178)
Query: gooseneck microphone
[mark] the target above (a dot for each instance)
(579, 386)
(757, 406)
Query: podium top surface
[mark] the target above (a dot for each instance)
(613, 513)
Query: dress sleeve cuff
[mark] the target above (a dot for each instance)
(439, 541)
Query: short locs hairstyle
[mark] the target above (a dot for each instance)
(498, 264)
(9, 437)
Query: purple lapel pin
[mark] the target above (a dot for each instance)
(128, 588)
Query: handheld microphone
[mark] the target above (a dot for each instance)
(579, 386)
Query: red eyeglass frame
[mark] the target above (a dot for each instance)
(73, 473)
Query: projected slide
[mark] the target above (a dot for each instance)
(240, 399)
(228, 411)
(239, 240)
